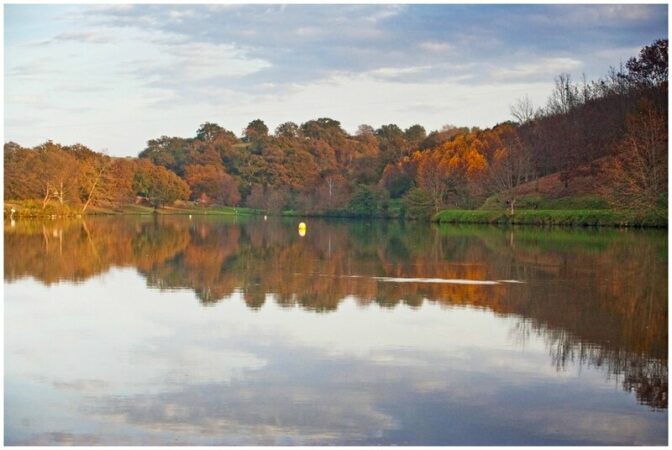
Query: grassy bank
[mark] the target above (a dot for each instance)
(567, 217)
(33, 208)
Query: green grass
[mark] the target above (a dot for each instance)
(190, 209)
(569, 217)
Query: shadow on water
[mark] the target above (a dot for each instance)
(596, 297)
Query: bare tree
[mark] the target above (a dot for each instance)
(565, 96)
(523, 110)
(511, 166)
(638, 173)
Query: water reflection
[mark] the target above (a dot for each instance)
(594, 301)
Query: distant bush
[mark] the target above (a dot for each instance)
(368, 201)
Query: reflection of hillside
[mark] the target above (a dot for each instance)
(598, 297)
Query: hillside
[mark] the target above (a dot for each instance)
(584, 189)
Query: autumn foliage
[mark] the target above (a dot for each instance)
(318, 167)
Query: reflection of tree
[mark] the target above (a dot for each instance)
(644, 375)
(77, 250)
(597, 297)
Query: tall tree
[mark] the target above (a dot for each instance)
(651, 67)
(639, 172)
(256, 131)
(208, 132)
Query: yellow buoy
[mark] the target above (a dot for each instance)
(302, 229)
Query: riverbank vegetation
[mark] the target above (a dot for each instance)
(599, 148)
(573, 217)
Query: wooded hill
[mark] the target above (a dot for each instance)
(317, 167)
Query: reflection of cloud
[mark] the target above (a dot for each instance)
(56, 438)
(274, 411)
(160, 369)
(622, 428)
(81, 385)
(154, 357)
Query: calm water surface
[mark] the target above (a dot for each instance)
(141, 330)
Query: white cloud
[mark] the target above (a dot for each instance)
(393, 72)
(198, 61)
(617, 54)
(385, 12)
(437, 47)
(545, 67)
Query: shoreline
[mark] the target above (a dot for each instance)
(554, 217)
(530, 217)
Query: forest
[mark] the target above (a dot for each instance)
(613, 130)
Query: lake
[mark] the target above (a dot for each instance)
(222, 330)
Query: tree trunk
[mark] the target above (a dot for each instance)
(93, 188)
(46, 196)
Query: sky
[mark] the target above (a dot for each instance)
(112, 77)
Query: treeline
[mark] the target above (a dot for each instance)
(75, 177)
(318, 167)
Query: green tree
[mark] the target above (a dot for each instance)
(414, 135)
(287, 130)
(169, 152)
(418, 204)
(208, 132)
(367, 201)
(255, 131)
(392, 142)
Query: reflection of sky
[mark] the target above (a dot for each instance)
(96, 364)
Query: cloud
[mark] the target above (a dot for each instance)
(80, 37)
(88, 37)
(385, 12)
(542, 69)
(436, 47)
(608, 14)
(397, 72)
(617, 54)
(168, 59)
(40, 67)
